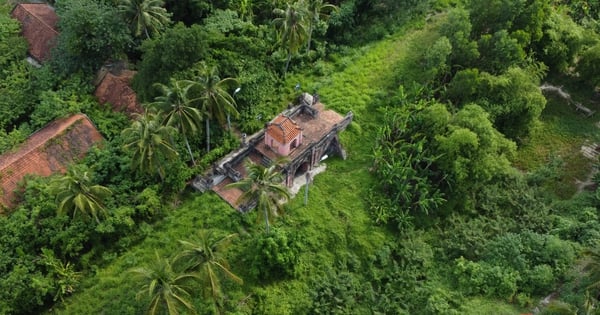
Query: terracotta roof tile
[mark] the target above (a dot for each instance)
(47, 151)
(283, 129)
(38, 22)
(115, 90)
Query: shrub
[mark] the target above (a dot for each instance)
(475, 278)
(539, 279)
(275, 255)
(559, 308)
(338, 292)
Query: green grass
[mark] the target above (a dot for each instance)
(335, 223)
(335, 220)
(560, 133)
(478, 306)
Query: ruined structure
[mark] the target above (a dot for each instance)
(39, 27)
(47, 151)
(283, 135)
(113, 88)
(305, 134)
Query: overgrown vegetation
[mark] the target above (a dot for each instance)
(462, 192)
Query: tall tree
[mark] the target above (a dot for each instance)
(316, 11)
(292, 28)
(75, 193)
(91, 32)
(217, 103)
(148, 139)
(207, 256)
(179, 113)
(167, 288)
(145, 16)
(178, 49)
(263, 185)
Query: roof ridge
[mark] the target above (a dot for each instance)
(37, 18)
(62, 125)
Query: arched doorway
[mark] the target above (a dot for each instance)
(302, 169)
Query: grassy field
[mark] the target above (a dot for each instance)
(335, 219)
(335, 225)
(559, 135)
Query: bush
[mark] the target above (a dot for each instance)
(559, 308)
(475, 278)
(275, 255)
(339, 292)
(540, 279)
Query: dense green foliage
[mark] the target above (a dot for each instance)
(457, 197)
(91, 33)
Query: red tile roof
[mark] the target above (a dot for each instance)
(283, 129)
(38, 22)
(47, 151)
(115, 90)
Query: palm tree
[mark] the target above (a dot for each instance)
(291, 23)
(145, 16)
(66, 279)
(179, 113)
(263, 185)
(591, 265)
(316, 10)
(148, 138)
(217, 103)
(75, 193)
(166, 287)
(206, 255)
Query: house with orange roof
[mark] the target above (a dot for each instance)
(304, 134)
(39, 27)
(49, 150)
(283, 134)
(113, 88)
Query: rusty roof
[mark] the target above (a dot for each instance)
(283, 129)
(38, 26)
(114, 89)
(47, 151)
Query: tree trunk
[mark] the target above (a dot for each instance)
(207, 135)
(187, 144)
(185, 139)
(267, 220)
(310, 30)
(287, 64)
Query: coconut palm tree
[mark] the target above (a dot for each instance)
(145, 16)
(291, 24)
(316, 10)
(591, 265)
(217, 103)
(75, 193)
(64, 276)
(263, 186)
(148, 139)
(178, 111)
(166, 288)
(206, 255)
